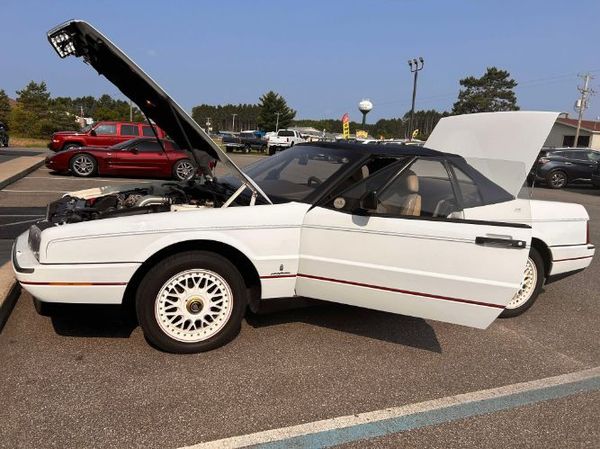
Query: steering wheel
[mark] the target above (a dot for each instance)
(313, 179)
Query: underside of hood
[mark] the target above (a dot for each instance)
(79, 38)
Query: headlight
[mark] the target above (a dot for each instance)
(35, 237)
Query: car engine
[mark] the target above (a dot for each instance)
(107, 202)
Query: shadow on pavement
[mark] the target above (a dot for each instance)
(403, 330)
(75, 320)
(108, 321)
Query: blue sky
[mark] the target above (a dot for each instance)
(323, 56)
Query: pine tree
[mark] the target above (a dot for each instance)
(490, 93)
(270, 104)
(4, 107)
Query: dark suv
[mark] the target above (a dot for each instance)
(3, 135)
(561, 166)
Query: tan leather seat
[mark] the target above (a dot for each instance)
(411, 204)
(404, 198)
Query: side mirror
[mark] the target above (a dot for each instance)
(133, 150)
(93, 132)
(369, 201)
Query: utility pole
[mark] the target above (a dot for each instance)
(130, 111)
(233, 122)
(415, 67)
(581, 104)
(277, 123)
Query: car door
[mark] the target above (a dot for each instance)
(397, 242)
(579, 164)
(144, 158)
(103, 135)
(128, 131)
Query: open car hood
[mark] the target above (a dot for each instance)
(79, 38)
(501, 145)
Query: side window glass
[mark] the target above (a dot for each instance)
(423, 190)
(106, 130)
(352, 187)
(594, 156)
(147, 131)
(148, 147)
(470, 192)
(130, 130)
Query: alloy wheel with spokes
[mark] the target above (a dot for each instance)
(527, 286)
(558, 180)
(183, 170)
(83, 165)
(191, 302)
(531, 285)
(193, 305)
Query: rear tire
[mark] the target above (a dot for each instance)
(183, 170)
(191, 302)
(83, 165)
(530, 287)
(557, 179)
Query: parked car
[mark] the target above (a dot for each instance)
(402, 229)
(102, 135)
(245, 141)
(141, 157)
(559, 167)
(285, 138)
(3, 135)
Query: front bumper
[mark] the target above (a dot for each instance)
(572, 258)
(70, 283)
(596, 180)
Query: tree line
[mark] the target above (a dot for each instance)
(37, 114)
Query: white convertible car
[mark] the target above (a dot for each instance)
(437, 232)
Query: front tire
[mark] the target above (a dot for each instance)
(70, 146)
(191, 302)
(531, 286)
(83, 165)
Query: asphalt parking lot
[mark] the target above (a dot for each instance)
(87, 378)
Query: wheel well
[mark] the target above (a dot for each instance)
(544, 251)
(235, 256)
(72, 142)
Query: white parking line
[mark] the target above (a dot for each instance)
(18, 222)
(128, 181)
(344, 429)
(33, 191)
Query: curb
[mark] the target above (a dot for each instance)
(9, 287)
(9, 292)
(21, 174)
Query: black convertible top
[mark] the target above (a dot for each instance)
(393, 149)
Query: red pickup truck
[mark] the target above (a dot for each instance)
(102, 134)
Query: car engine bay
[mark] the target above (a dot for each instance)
(110, 201)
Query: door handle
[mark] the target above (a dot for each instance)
(500, 242)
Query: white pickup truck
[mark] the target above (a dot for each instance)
(285, 138)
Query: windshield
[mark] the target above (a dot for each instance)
(294, 174)
(86, 128)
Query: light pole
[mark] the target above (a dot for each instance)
(233, 122)
(277, 123)
(415, 67)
